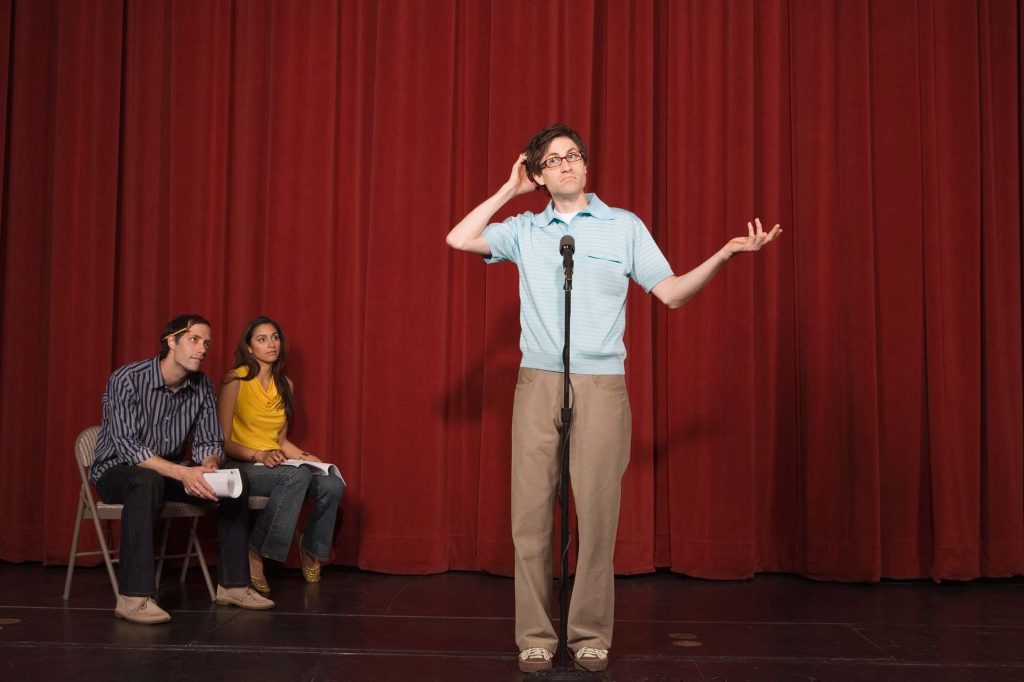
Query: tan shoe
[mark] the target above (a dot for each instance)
(594, 660)
(245, 597)
(142, 610)
(534, 660)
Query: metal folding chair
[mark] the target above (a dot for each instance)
(88, 507)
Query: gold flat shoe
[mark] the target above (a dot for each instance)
(310, 575)
(260, 585)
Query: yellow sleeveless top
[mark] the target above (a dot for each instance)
(259, 414)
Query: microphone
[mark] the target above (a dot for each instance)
(567, 247)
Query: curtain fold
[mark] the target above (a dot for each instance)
(846, 404)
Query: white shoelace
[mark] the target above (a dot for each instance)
(591, 652)
(534, 653)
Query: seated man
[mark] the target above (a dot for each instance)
(152, 409)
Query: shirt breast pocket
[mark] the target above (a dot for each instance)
(608, 271)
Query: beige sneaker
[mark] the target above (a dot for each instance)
(534, 660)
(594, 660)
(245, 597)
(142, 610)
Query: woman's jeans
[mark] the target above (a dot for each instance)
(287, 487)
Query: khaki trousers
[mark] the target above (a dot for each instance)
(598, 455)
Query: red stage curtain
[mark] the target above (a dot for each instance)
(845, 405)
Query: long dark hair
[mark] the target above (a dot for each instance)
(244, 357)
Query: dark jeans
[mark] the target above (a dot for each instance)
(143, 492)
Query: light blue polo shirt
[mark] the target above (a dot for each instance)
(612, 246)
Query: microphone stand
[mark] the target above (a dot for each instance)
(566, 669)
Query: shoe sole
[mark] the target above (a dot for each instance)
(226, 602)
(533, 666)
(593, 666)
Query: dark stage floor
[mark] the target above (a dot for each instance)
(458, 626)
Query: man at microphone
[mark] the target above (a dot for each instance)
(608, 246)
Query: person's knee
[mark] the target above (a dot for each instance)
(330, 489)
(532, 549)
(246, 483)
(146, 484)
(300, 477)
(143, 496)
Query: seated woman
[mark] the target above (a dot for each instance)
(255, 405)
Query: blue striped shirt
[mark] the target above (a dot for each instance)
(142, 418)
(612, 247)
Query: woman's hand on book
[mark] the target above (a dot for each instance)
(270, 458)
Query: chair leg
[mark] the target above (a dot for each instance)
(106, 555)
(74, 548)
(188, 553)
(202, 560)
(163, 551)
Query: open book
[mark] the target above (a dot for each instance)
(319, 468)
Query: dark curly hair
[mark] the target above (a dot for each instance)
(538, 146)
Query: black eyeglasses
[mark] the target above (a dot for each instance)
(556, 161)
